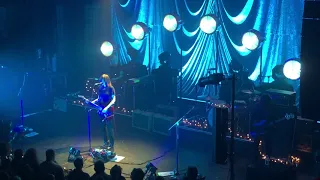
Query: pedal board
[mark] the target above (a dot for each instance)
(103, 155)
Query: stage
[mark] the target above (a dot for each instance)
(60, 131)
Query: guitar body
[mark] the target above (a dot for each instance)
(108, 115)
(104, 116)
(264, 126)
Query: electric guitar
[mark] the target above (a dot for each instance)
(104, 116)
(261, 126)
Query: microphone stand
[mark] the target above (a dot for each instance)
(176, 125)
(231, 153)
(20, 95)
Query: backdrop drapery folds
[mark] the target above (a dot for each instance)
(280, 21)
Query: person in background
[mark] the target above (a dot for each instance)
(116, 172)
(165, 80)
(77, 173)
(137, 174)
(192, 173)
(100, 172)
(50, 166)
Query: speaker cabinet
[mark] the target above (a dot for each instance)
(219, 131)
(142, 120)
(310, 54)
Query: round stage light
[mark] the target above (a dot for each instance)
(292, 69)
(171, 22)
(106, 48)
(139, 31)
(208, 24)
(252, 39)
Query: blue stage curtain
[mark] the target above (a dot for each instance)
(279, 20)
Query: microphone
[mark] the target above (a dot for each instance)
(96, 84)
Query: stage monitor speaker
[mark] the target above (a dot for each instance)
(142, 120)
(310, 54)
(219, 131)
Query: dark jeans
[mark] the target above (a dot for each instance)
(108, 132)
(266, 145)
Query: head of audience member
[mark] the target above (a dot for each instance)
(78, 163)
(116, 172)
(16, 178)
(99, 167)
(137, 174)
(50, 155)
(50, 177)
(30, 157)
(18, 154)
(192, 173)
(4, 149)
(5, 163)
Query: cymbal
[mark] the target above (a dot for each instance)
(247, 91)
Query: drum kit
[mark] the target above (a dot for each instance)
(246, 100)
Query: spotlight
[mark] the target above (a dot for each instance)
(172, 22)
(139, 30)
(252, 39)
(292, 69)
(106, 48)
(209, 23)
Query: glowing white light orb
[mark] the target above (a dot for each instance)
(106, 49)
(292, 69)
(138, 32)
(170, 22)
(208, 24)
(251, 40)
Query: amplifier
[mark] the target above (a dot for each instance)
(274, 172)
(219, 130)
(161, 124)
(142, 120)
(281, 97)
(171, 111)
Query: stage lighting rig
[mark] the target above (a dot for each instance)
(209, 23)
(252, 39)
(216, 79)
(172, 22)
(139, 31)
(106, 48)
(292, 69)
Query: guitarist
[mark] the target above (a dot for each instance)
(106, 100)
(263, 126)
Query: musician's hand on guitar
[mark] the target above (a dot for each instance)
(104, 111)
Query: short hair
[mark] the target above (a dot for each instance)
(78, 163)
(116, 171)
(137, 174)
(18, 154)
(99, 166)
(50, 154)
(192, 172)
(164, 57)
